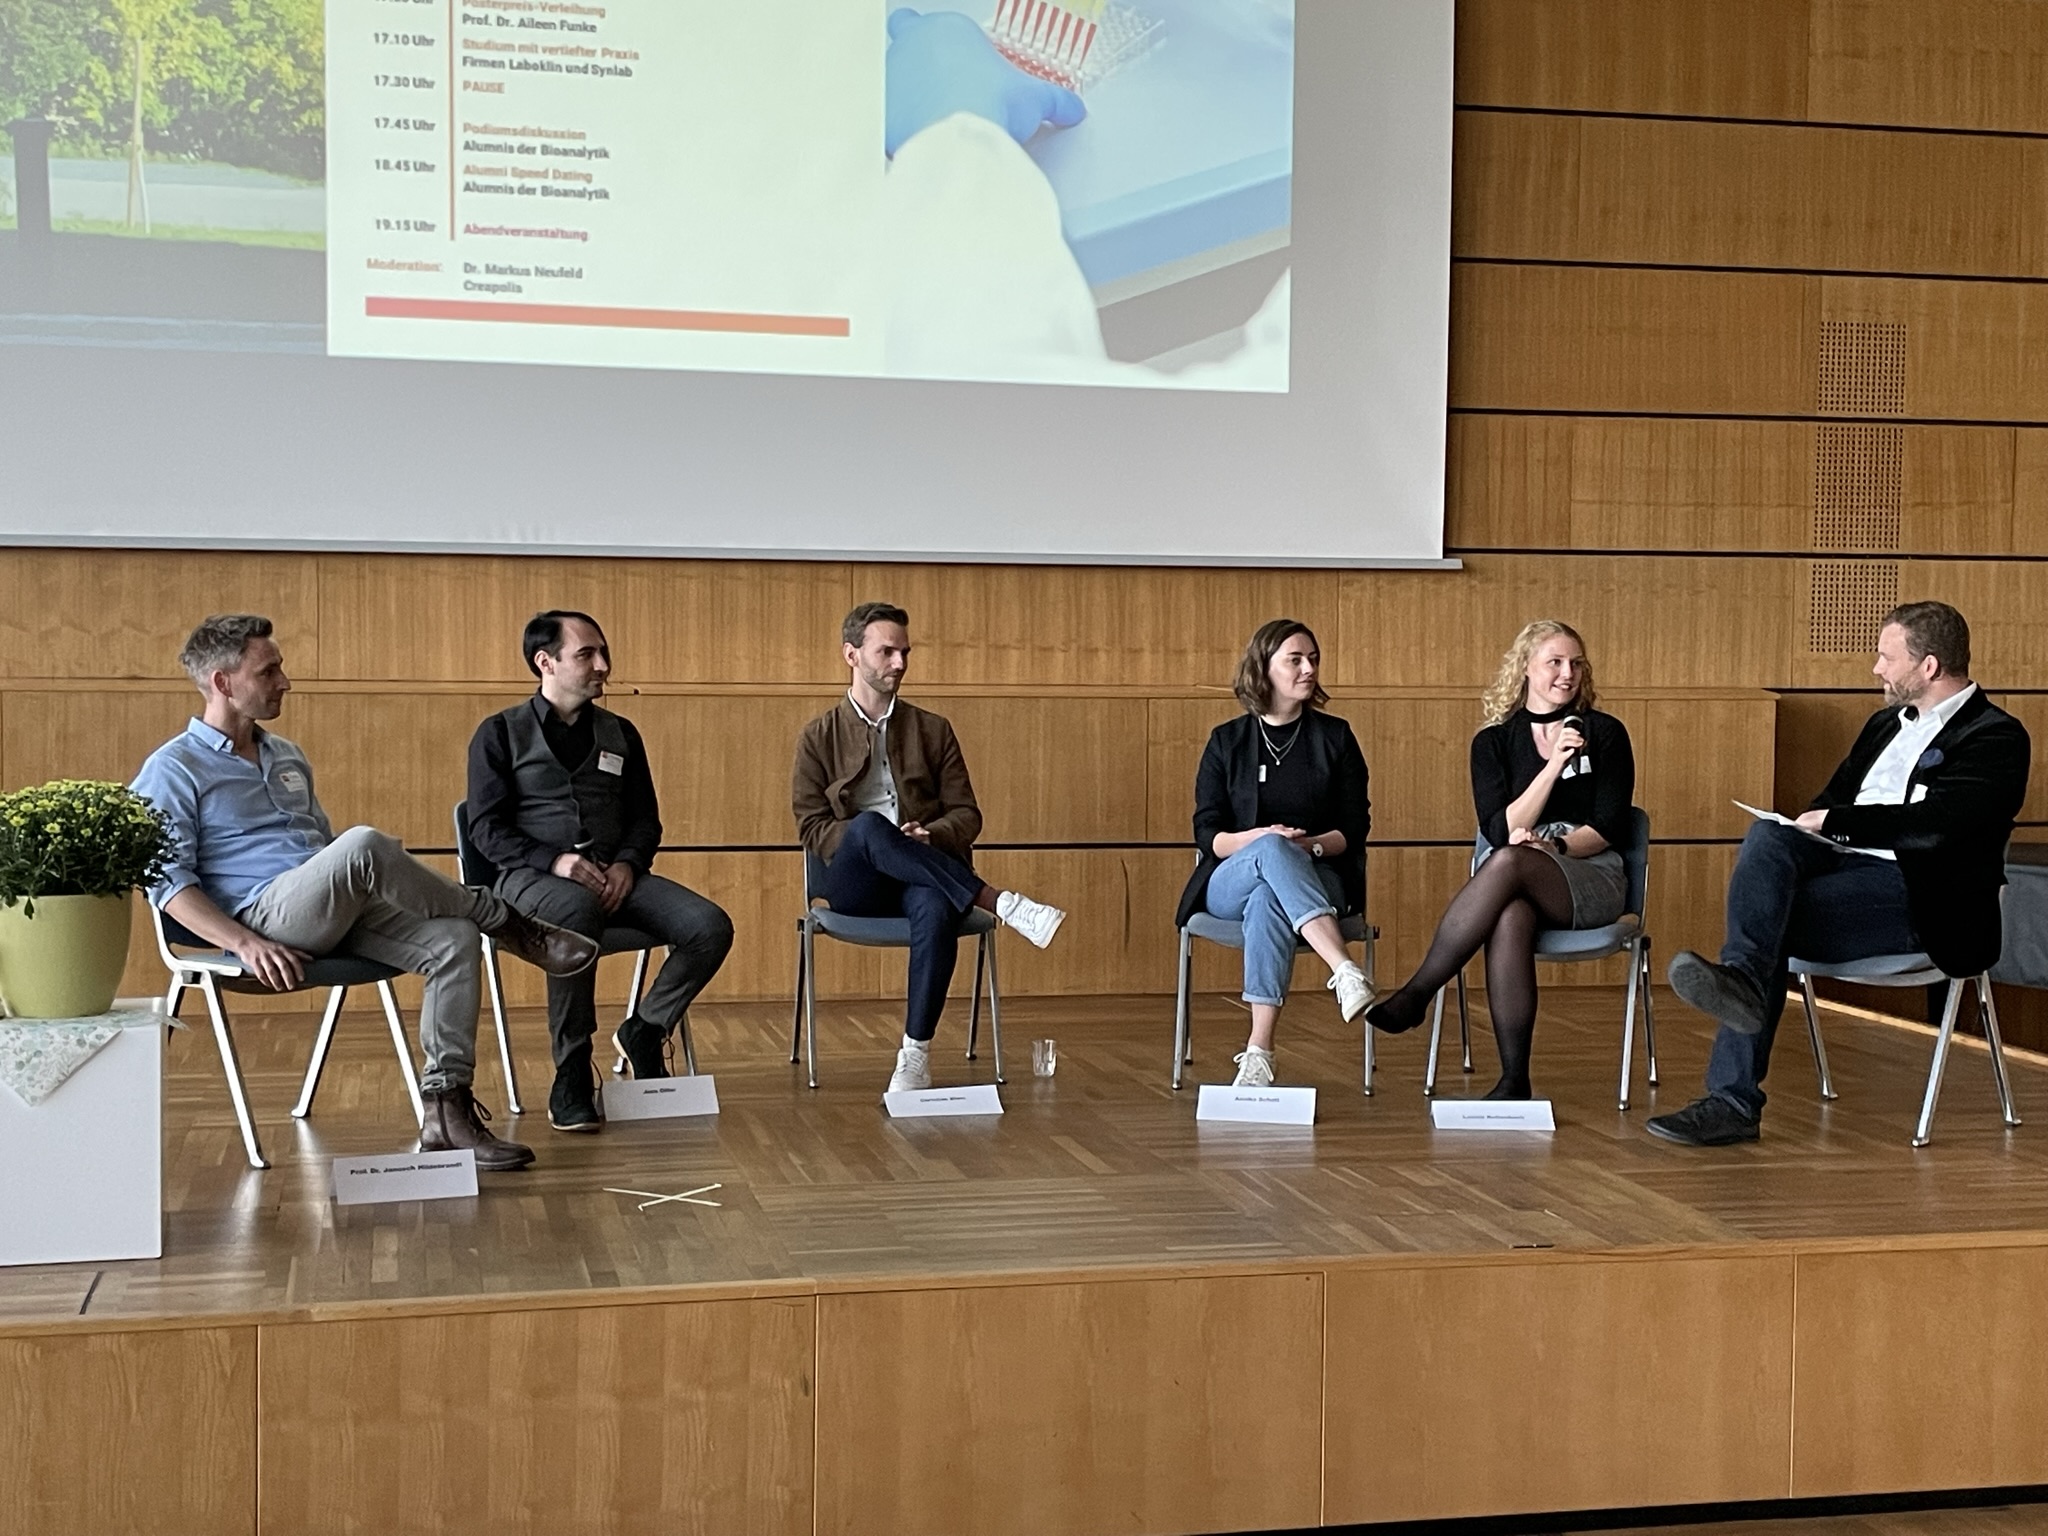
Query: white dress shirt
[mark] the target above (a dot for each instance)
(1885, 783)
(876, 790)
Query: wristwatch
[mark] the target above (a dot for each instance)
(1315, 850)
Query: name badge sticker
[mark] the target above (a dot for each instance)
(610, 762)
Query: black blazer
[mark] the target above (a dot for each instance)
(1951, 844)
(1227, 798)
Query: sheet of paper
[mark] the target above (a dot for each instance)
(1491, 1115)
(1783, 821)
(657, 1098)
(974, 1099)
(404, 1176)
(1259, 1106)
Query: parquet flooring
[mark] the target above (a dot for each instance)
(1101, 1165)
(1996, 1520)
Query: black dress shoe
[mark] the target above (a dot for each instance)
(641, 1043)
(1719, 991)
(572, 1102)
(1708, 1122)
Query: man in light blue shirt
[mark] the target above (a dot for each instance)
(257, 870)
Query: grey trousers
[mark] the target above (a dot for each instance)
(365, 894)
(695, 928)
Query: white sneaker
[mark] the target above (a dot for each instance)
(1354, 996)
(1254, 1068)
(913, 1070)
(1034, 919)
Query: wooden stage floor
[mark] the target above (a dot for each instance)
(1087, 1317)
(1102, 1165)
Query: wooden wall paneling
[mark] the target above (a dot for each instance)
(1691, 485)
(691, 1416)
(1626, 339)
(1955, 64)
(1629, 190)
(126, 613)
(1054, 770)
(694, 621)
(1119, 934)
(2030, 491)
(1711, 58)
(89, 735)
(2031, 710)
(1973, 350)
(1408, 889)
(1815, 732)
(2003, 601)
(397, 761)
(1919, 1369)
(1956, 491)
(1055, 626)
(1644, 618)
(129, 1434)
(1057, 1410)
(722, 763)
(1510, 482)
(1574, 1408)
(1695, 757)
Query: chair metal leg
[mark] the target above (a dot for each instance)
(1923, 1133)
(638, 985)
(974, 997)
(1365, 1052)
(403, 1047)
(1183, 1036)
(1628, 1019)
(1649, 1013)
(995, 1009)
(495, 986)
(810, 996)
(1820, 1050)
(231, 1064)
(175, 994)
(689, 1045)
(796, 1007)
(1989, 1009)
(317, 1062)
(1464, 1022)
(1436, 1037)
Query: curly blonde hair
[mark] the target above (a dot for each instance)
(1511, 684)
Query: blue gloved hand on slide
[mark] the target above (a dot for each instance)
(943, 63)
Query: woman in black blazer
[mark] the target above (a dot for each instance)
(1553, 781)
(1280, 821)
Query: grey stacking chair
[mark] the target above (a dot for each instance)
(195, 966)
(1628, 933)
(1914, 970)
(472, 868)
(880, 933)
(1230, 934)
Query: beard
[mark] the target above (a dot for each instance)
(1899, 695)
(884, 683)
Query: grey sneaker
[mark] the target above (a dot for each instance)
(1719, 991)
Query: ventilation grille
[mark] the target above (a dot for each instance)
(1857, 487)
(1847, 601)
(1862, 368)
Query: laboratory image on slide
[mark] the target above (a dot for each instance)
(162, 171)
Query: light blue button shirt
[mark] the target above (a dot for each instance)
(237, 825)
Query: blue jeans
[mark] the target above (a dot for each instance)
(1273, 888)
(878, 872)
(1794, 895)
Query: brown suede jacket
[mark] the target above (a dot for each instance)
(932, 787)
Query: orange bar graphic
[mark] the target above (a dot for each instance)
(598, 315)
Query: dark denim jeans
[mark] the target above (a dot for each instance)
(878, 872)
(1792, 894)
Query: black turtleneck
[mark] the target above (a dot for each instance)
(1597, 791)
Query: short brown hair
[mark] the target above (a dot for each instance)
(1253, 684)
(854, 631)
(1937, 630)
(219, 643)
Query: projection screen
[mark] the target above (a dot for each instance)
(1153, 282)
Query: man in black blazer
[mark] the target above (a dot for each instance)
(1903, 852)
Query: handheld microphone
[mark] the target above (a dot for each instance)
(1572, 723)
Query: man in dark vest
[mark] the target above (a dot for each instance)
(1902, 853)
(562, 801)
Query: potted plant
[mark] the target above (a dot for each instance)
(70, 852)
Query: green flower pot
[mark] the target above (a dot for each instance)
(66, 961)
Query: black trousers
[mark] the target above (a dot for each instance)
(878, 872)
(697, 931)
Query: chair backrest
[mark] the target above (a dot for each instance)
(1635, 859)
(471, 867)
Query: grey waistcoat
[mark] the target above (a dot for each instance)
(565, 809)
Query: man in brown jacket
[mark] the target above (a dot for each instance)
(882, 797)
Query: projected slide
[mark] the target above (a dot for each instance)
(1004, 191)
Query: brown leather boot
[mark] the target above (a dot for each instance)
(455, 1120)
(558, 951)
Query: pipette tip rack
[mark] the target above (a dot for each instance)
(1076, 44)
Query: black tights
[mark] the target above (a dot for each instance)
(1517, 892)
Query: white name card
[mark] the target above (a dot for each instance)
(975, 1099)
(1259, 1106)
(1491, 1115)
(657, 1098)
(404, 1176)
